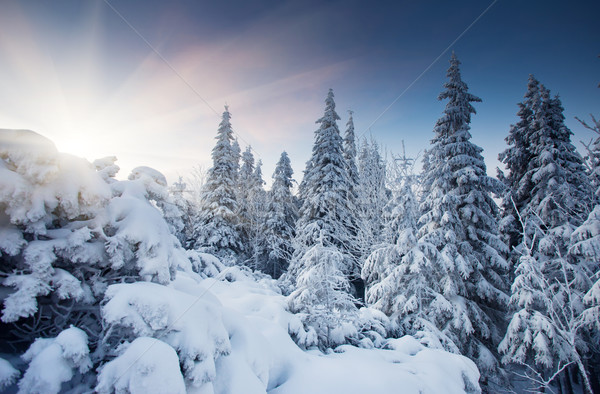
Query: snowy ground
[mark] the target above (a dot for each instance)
(264, 355)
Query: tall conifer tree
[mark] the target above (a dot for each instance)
(216, 227)
(459, 220)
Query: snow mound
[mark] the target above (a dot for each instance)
(257, 315)
(8, 374)
(192, 325)
(53, 361)
(147, 365)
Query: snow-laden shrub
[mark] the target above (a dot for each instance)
(146, 365)
(67, 231)
(191, 325)
(54, 361)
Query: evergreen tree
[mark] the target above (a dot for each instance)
(372, 197)
(546, 175)
(278, 229)
(186, 208)
(257, 203)
(322, 297)
(593, 155)
(323, 263)
(459, 221)
(542, 334)
(402, 211)
(326, 210)
(560, 186)
(554, 319)
(350, 156)
(516, 159)
(245, 189)
(585, 248)
(216, 227)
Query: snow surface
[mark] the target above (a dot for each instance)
(234, 337)
(256, 314)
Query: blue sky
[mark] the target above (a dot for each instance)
(78, 74)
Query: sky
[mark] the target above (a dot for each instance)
(146, 81)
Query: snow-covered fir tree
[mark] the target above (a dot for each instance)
(555, 323)
(585, 248)
(247, 189)
(459, 220)
(561, 191)
(69, 232)
(216, 226)
(372, 197)
(182, 198)
(323, 298)
(324, 233)
(399, 275)
(402, 210)
(258, 205)
(278, 229)
(516, 160)
(593, 154)
(350, 155)
(326, 211)
(544, 334)
(546, 175)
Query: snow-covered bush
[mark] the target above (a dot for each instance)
(322, 297)
(152, 310)
(68, 230)
(54, 361)
(146, 365)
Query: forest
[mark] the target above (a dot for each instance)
(462, 281)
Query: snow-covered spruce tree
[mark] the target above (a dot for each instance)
(585, 248)
(546, 175)
(550, 284)
(593, 154)
(251, 199)
(372, 197)
(180, 193)
(459, 220)
(350, 155)
(245, 212)
(400, 277)
(561, 191)
(258, 208)
(324, 233)
(278, 229)
(216, 225)
(516, 160)
(326, 212)
(402, 210)
(552, 325)
(323, 298)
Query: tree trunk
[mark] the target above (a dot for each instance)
(586, 381)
